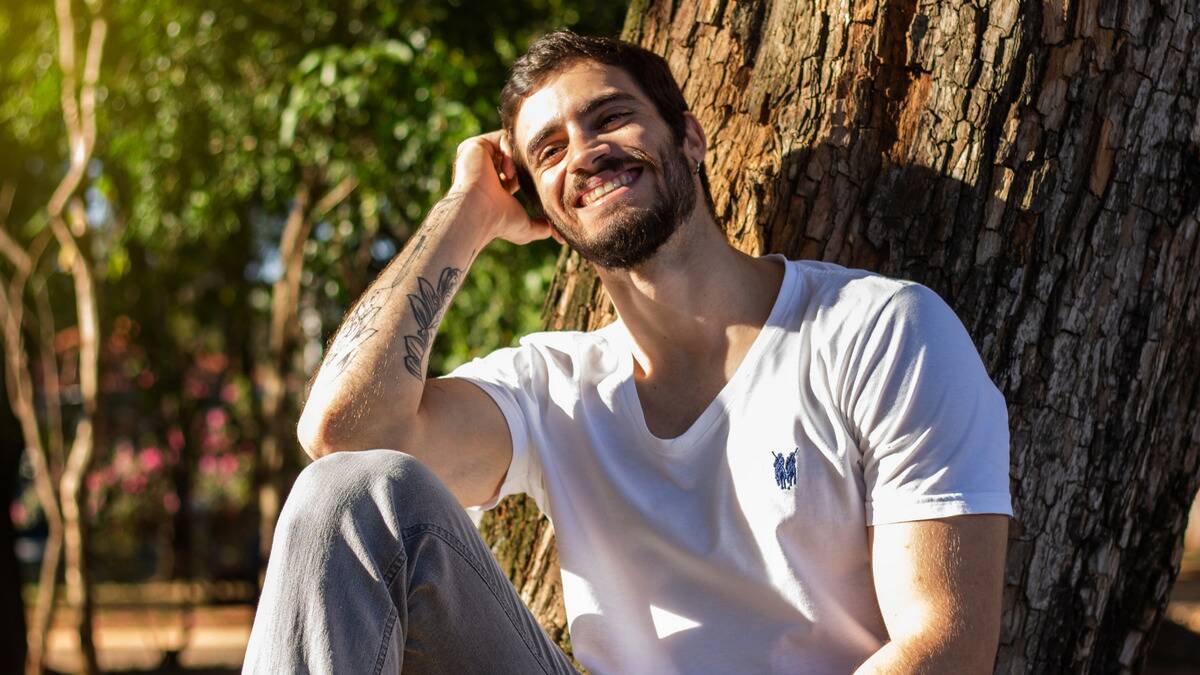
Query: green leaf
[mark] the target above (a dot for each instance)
(310, 62)
(398, 51)
(287, 126)
(329, 73)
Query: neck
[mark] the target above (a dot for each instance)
(694, 298)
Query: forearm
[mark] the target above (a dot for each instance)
(371, 380)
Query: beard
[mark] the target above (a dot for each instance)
(633, 234)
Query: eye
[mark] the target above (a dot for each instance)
(611, 117)
(548, 152)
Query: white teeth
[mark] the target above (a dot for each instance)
(598, 192)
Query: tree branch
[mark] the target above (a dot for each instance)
(7, 193)
(81, 125)
(335, 196)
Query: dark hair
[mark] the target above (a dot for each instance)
(559, 50)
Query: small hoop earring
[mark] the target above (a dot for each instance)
(698, 162)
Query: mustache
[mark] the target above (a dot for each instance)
(607, 163)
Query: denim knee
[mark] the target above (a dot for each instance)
(359, 484)
(353, 471)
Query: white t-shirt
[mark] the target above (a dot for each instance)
(741, 545)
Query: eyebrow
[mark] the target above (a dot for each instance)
(587, 109)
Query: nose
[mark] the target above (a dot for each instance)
(592, 151)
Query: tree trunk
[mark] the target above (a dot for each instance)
(68, 224)
(274, 414)
(1038, 165)
(72, 492)
(274, 374)
(19, 390)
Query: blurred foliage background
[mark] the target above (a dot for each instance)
(215, 123)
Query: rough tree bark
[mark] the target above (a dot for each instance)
(1037, 164)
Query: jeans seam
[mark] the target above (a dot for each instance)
(387, 634)
(451, 540)
(389, 578)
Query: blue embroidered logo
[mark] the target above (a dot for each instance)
(785, 469)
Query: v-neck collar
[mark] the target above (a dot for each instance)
(627, 393)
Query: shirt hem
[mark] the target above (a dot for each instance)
(938, 506)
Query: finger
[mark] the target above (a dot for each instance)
(506, 149)
(508, 178)
(474, 148)
(510, 169)
(508, 166)
(497, 164)
(482, 145)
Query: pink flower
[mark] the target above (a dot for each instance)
(175, 438)
(171, 502)
(208, 464)
(212, 363)
(229, 393)
(16, 511)
(134, 484)
(95, 481)
(215, 443)
(195, 388)
(216, 418)
(151, 458)
(123, 457)
(229, 465)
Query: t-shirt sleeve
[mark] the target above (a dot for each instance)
(504, 375)
(933, 427)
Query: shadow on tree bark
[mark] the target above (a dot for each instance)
(1037, 166)
(1002, 269)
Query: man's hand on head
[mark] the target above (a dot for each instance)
(484, 171)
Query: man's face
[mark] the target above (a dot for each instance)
(610, 177)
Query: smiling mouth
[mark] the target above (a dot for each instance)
(610, 189)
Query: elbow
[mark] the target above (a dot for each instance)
(322, 432)
(312, 435)
(319, 434)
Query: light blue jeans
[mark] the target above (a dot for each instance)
(376, 568)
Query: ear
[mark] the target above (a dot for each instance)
(694, 142)
(506, 145)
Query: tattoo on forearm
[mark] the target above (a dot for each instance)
(356, 330)
(438, 216)
(359, 326)
(402, 273)
(428, 305)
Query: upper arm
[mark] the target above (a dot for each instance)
(460, 433)
(939, 584)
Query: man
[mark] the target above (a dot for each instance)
(764, 466)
